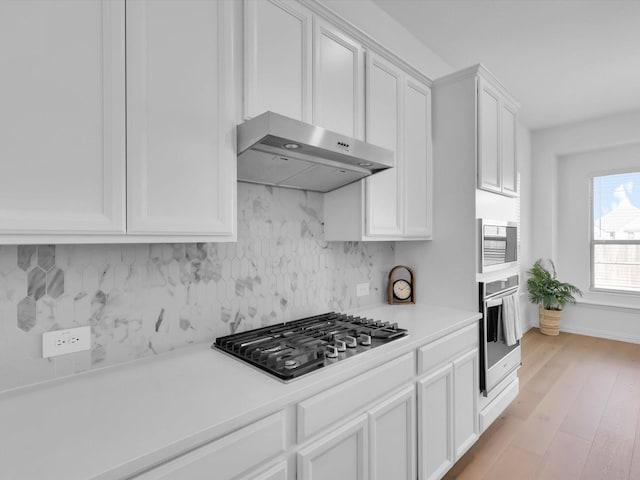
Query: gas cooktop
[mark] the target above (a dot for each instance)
(291, 349)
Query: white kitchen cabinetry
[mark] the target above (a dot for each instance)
(392, 437)
(395, 204)
(69, 177)
(338, 81)
(379, 443)
(277, 58)
(435, 427)
(497, 116)
(180, 145)
(243, 450)
(384, 128)
(447, 401)
(62, 118)
(342, 454)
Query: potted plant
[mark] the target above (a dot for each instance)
(550, 294)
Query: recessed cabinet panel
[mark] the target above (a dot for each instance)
(465, 376)
(277, 45)
(392, 433)
(508, 148)
(435, 424)
(342, 454)
(417, 162)
(489, 147)
(180, 150)
(62, 117)
(338, 92)
(383, 123)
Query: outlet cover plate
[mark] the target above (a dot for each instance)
(61, 342)
(362, 289)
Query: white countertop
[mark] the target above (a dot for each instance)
(109, 422)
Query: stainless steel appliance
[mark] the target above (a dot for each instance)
(284, 152)
(498, 245)
(497, 359)
(289, 350)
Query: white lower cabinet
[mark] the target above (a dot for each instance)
(341, 454)
(392, 437)
(447, 414)
(247, 449)
(373, 426)
(379, 444)
(435, 423)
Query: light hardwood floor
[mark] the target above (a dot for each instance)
(576, 416)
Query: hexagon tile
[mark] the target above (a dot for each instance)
(147, 299)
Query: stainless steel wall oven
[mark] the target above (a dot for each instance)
(498, 245)
(497, 359)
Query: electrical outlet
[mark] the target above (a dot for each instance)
(60, 342)
(362, 289)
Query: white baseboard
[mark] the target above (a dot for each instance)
(601, 334)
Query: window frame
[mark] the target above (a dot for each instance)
(593, 241)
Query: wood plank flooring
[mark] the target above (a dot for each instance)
(577, 415)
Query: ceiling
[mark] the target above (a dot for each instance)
(563, 60)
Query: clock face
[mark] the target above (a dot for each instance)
(401, 289)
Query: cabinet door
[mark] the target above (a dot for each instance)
(341, 454)
(435, 424)
(338, 81)
(417, 161)
(465, 393)
(488, 137)
(248, 448)
(277, 52)
(508, 148)
(392, 433)
(383, 126)
(62, 117)
(180, 130)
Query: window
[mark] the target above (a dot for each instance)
(615, 236)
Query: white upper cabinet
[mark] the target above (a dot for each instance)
(277, 58)
(180, 130)
(497, 118)
(417, 161)
(508, 127)
(69, 175)
(383, 128)
(338, 79)
(62, 118)
(488, 143)
(395, 204)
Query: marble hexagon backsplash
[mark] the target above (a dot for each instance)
(143, 300)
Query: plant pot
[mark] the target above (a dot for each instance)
(549, 321)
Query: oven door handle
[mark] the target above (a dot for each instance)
(494, 302)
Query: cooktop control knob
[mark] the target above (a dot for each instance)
(332, 351)
(350, 341)
(364, 339)
(341, 345)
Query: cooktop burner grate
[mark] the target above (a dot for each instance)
(291, 349)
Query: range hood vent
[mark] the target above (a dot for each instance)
(283, 152)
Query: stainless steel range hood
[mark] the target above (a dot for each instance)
(280, 151)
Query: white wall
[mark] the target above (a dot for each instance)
(562, 157)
